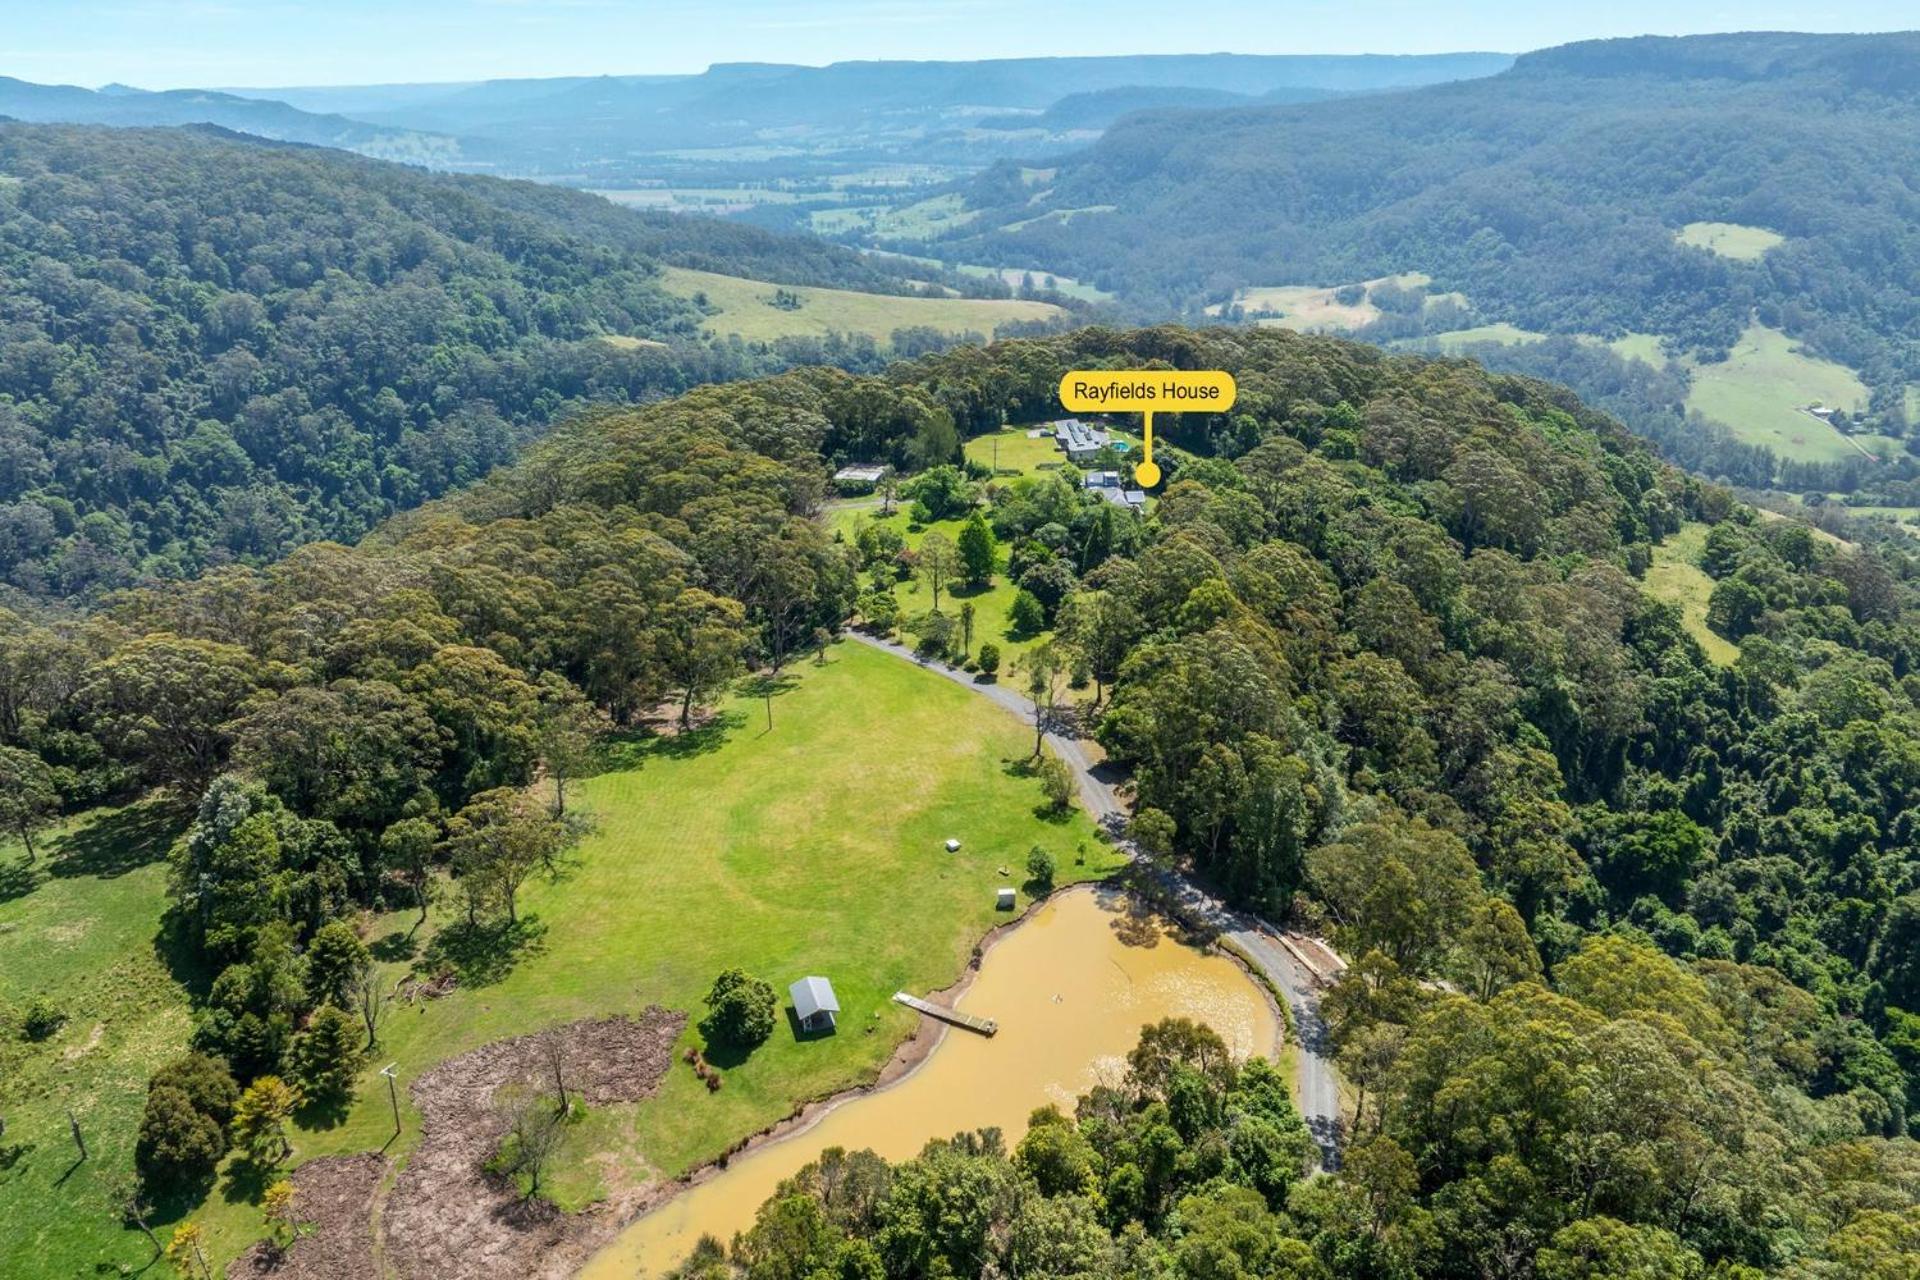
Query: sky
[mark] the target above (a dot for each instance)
(165, 44)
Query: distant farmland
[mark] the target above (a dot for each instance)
(747, 307)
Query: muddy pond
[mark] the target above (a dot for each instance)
(1070, 987)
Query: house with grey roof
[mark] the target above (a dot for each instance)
(1080, 441)
(1108, 485)
(814, 1003)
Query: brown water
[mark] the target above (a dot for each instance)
(1070, 987)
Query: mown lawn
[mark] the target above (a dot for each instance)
(746, 307)
(992, 604)
(813, 847)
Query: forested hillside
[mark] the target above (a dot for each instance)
(215, 348)
(1635, 934)
(1549, 195)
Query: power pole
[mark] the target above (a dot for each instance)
(79, 1140)
(393, 1094)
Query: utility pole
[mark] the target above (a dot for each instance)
(79, 1139)
(393, 1094)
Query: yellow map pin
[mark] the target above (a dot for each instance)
(1147, 392)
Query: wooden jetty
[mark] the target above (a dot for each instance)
(980, 1026)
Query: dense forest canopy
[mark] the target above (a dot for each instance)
(215, 348)
(1636, 936)
(1549, 194)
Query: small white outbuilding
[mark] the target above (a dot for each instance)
(1005, 901)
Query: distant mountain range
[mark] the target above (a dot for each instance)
(121, 105)
(1551, 195)
(591, 126)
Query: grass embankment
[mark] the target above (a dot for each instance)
(82, 930)
(746, 307)
(1677, 578)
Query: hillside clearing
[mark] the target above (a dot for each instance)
(1677, 579)
(1730, 239)
(83, 931)
(746, 307)
(1762, 390)
(1307, 307)
(813, 847)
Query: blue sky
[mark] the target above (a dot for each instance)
(175, 43)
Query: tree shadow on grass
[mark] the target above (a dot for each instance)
(726, 1055)
(182, 956)
(18, 879)
(633, 750)
(246, 1182)
(328, 1111)
(393, 947)
(483, 954)
(120, 841)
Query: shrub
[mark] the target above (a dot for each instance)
(989, 658)
(178, 1145)
(208, 1084)
(41, 1019)
(1040, 866)
(1028, 615)
(1056, 782)
(740, 1010)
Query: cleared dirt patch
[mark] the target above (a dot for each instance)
(448, 1218)
(333, 1201)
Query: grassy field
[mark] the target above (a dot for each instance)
(923, 219)
(1730, 239)
(1313, 307)
(1509, 334)
(1640, 346)
(1061, 216)
(1677, 578)
(1015, 453)
(81, 930)
(992, 604)
(815, 847)
(746, 307)
(1013, 276)
(1761, 392)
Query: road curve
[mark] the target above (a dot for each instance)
(1316, 1092)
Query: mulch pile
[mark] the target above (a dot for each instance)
(333, 1200)
(447, 1218)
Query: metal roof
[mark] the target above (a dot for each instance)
(811, 996)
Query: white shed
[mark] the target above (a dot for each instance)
(1005, 901)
